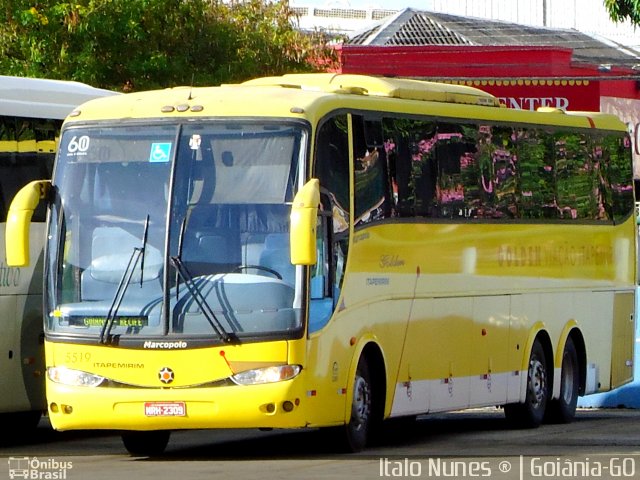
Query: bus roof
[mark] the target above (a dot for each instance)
(402, 88)
(312, 95)
(44, 98)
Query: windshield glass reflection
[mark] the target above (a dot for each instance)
(174, 230)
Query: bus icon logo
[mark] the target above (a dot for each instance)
(18, 467)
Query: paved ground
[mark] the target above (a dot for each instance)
(477, 443)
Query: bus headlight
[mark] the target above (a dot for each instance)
(76, 378)
(277, 373)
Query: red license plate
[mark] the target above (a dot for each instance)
(165, 409)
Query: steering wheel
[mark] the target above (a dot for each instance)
(258, 267)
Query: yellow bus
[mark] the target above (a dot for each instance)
(31, 114)
(320, 250)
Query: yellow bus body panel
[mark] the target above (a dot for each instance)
(198, 380)
(466, 315)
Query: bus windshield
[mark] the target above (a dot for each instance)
(173, 229)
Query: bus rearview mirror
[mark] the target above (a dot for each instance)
(304, 218)
(19, 221)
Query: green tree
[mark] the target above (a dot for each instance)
(621, 10)
(142, 44)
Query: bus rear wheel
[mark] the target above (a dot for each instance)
(563, 410)
(146, 444)
(530, 413)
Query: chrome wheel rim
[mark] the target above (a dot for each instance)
(361, 403)
(537, 383)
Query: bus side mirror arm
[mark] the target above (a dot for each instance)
(19, 221)
(304, 220)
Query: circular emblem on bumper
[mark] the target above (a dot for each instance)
(165, 375)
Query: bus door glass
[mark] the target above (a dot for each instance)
(332, 169)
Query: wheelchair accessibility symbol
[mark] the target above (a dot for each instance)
(160, 152)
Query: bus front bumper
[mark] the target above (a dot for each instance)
(274, 405)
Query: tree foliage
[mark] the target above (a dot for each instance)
(142, 44)
(621, 10)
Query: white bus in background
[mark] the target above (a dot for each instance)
(31, 114)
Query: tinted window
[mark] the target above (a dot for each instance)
(463, 170)
(27, 151)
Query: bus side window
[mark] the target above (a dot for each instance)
(614, 160)
(373, 199)
(575, 176)
(412, 165)
(448, 149)
(490, 172)
(332, 168)
(536, 174)
(399, 158)
(27, 150)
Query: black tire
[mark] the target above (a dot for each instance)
(19, 425)
(356, 433)
(146, 444)
(22, 421)
(367, 410)
(530, 414)
(563, 409)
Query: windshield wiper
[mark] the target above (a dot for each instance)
(195, 292)
(145, 235)
(183, 226)
(138, 252)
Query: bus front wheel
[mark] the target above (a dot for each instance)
(146, 444)
(357, 431)
(530, 413)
